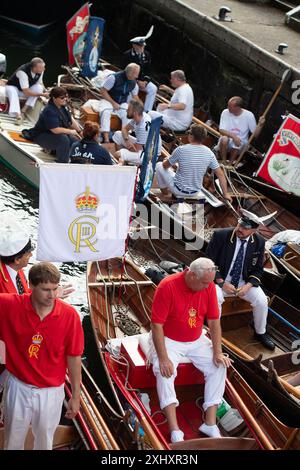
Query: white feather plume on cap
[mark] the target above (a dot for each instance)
(142, 39)
(12, 236)
(255, 218)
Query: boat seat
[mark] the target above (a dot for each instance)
(88, 114)
(136, 349)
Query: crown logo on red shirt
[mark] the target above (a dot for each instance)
(86, 201)
(37, 339)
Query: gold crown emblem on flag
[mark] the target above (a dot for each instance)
(86, 201)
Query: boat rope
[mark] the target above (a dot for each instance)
(139, 292)
(252, 191)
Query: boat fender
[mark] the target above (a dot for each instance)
(231, 420)
(145, 399)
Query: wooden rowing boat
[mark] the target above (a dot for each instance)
(120, 298)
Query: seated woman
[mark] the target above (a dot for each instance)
(56, 129)
(88, 149)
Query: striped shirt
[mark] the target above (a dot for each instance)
(193, 161)
(141, 129)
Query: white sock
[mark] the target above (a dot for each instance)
(177, 435)
(210, 430)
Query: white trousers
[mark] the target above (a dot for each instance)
(200, 354)
(25, 405)
(259, 304)
(165, 179)
(127, 155)
(105, 109)
(150, 91)
(14, 95)
(168, 121)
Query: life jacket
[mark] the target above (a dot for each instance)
(6, 284)
(14, 81)
(122, 87)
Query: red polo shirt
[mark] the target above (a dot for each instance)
(36, 351)
(181, 310)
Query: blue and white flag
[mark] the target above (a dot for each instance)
(84, 211)
(149, 160)
(93, 45)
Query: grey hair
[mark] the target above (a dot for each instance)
(132, 66)
(137, 107)
(35, 61)
(179, 74)
(200, 265)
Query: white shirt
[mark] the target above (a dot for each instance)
(240, 125)
(183, 94)
(237, 247)
(23, 79)
(141, 128)
(12, 274)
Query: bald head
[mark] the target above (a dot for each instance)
(235, 105)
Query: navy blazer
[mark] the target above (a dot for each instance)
(221, 250)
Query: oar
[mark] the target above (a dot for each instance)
(285, 76)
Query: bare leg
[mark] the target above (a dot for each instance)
(170, 412)
(223, 148)
(210, 415)
(106, 137)
(233, 155)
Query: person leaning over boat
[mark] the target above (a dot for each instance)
(44, 338)
(115, 92)
(239, 253)
(140, 56)
(236, 124)
(178, 114)
(193, 161)
(26, 82)
(56, 129)
(131, 148)
(88, 150)
(181, 304)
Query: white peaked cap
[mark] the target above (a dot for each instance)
(255, 218)
(12, 236)
(142, 39)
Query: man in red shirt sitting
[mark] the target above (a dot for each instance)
(44, 338)
(181, 303)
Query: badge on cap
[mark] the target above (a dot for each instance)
(142, 39)
(251, 220)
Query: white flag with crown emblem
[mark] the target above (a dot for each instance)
(84, 211)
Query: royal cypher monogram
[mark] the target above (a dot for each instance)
(35, 345)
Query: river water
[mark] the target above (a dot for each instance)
(16, 196)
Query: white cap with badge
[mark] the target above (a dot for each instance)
(142, 39)
(251, 220)
(12, 237)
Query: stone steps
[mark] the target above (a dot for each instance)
(285, 5)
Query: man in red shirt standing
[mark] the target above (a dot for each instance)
(44, 338)
(181, 303)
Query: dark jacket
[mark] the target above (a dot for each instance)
(122, 87)
(221, 250)
(14, 81)
(50, 118)
(88, 151)
(143, 60)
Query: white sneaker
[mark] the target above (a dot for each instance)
(210, 430)
(177, 436)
